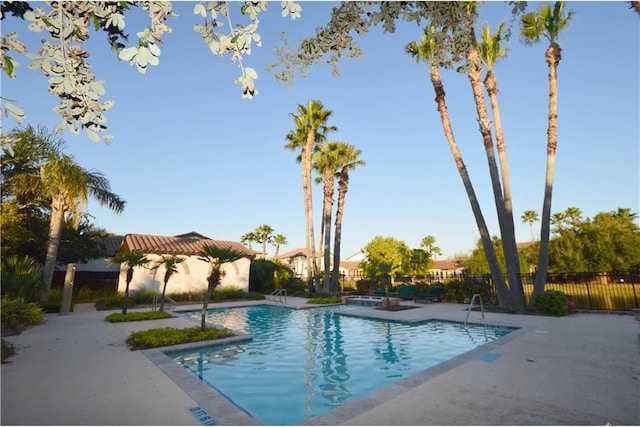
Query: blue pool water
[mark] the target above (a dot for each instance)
(302, 363)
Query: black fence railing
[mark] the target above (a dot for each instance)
(94, 280)
(589, 291)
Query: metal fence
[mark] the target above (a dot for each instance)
(94, 280)
(589, 291)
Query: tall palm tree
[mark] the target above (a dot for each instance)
(129, 260)
(249, 238)
(278, 240)
(530, 217)
(348, 161)
(170, 264)
(505, 216)
(325, 161)
(69, 186)
(425, 51)
(216, 257)
(310, 128)
(264, 233)
(428, 243)
(547, 23)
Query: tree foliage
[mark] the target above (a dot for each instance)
(26, 206)
(385, 256)
(67, 26)
(610, 242)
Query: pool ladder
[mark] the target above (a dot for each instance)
(278, 293)
(473, 298)
(156, 302)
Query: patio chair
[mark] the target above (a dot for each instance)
(433, 294)
(406, 292)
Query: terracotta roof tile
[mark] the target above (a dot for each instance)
(187, 244)
(110, 245)
(298, 252)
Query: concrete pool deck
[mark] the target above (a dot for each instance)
(583, 369)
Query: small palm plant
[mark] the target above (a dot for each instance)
(130, 259)
(21, 277)
(170, 263)
(216, 257)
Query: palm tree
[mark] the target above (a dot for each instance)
(263, 234)
(129, 260)
(504, 212)
(547, 23)
(249, 238)
(425, 51)
(69, 186)
(170, 263)
(216, 257)
(349, 160)
(326, 162)
(278, 240)
(428, 243)
(310, 128)
(530, 217)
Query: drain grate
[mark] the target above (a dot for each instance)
(203, 416)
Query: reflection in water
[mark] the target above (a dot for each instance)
(302, 363)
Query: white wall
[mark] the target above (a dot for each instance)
(191, 276)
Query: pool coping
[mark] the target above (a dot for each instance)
(225, 412)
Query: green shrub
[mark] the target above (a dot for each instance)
(141, 296)
(113, 301)
(326, 300)
(7, 350)
(161, 337)
(20, 277)
(18, 314)
(552, 302)
(133, 316)
(187, 296)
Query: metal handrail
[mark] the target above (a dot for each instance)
(278, 293)
(158, 297)
(473, 298)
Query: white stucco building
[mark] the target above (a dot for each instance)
(192, 273)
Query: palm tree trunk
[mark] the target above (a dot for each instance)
(308, 210)
(553, 56)
(513, 267)
(507, 232)
(494, 266)
(164, 289)
(328, 196)
(342, 192)
(125, 298)
(55, 233)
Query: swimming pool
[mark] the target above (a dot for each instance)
(302, 363)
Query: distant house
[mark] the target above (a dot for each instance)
(192, 273)
(296, 260)
(444, 268)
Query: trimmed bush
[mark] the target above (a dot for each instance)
(17, 314)
(328, 300)
(7, 350)
(113, 301)
(552, 302)
(134, 316)
(161, 337)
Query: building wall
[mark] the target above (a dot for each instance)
(191, 276)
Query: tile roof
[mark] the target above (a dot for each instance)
(298, 252)
(110, 245)
(350, 265)
(186, 244)
(447, 264)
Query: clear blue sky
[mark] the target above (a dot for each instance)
(190, 155)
